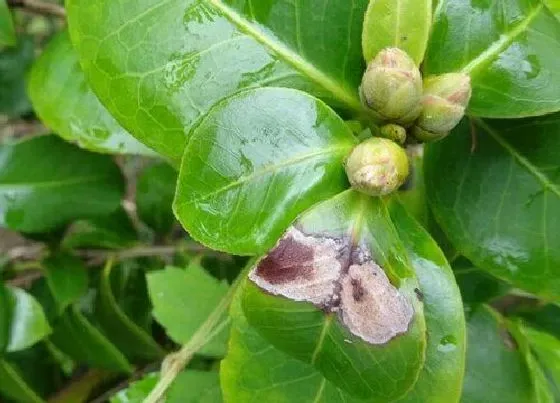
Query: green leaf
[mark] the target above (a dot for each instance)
(202, 51)
(403, 24)
(476, 194)
(189, 387)
(254, 370)
(441, 378)
(130, 338)
(5, 317)
(32, 175)
(7, 30)
(115, 231)
(28, 322)
(14, 63)
(74, 335)
(547, 350)
(554, 6)
(477, 286)
(412, 194)
(182, 301)
(508, 48)
(64, 101)
(154, 197)
(545, 317)
(496, 369)
(67, 280)
(14, 386)
(253, 165)
(325, 258)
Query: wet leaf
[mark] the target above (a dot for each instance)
(66, 104)
(403, 24)
(475, 193)
(253, 165)
(326, 262)
(200, 52)
(508, 48)
(32, 176)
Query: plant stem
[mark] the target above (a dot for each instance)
(39, 7)
(176, 362)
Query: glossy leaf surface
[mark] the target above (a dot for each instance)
(14, 386)
(496, 369)
(508, 48)
(134, 341)
(372, 370)
(257, 161)
(403, 24)
(183, 299)
(7, 31)
(510, 174)
(441, 378)
(66, 182)
(155, 190)
(202, 51)
(28, 324)
(14, 63)
(66, 104)
(74, 335)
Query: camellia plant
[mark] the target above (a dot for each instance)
(312, 201)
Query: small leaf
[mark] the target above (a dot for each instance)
(14, 386)
(474, 195)
(182, 301)
(310, 297)
(14, 63)
(200, 52)
(64, 101)
(31, 175)
(253, 165)
(154, 197)
(547, 350)
(7, 31)
(67, 280)
(496, 369)
(508, 48)
(76, 337)
(130, 338)
(115, 231)
(403, 24)
(28, 322)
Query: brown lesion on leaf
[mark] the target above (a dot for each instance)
(337, 276)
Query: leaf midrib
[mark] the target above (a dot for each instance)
(46, 184)
(501, 44)
(528, 165)
(349, 98)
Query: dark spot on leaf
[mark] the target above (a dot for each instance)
(358, 291)
(404, 38)
(285, 263)
(419, 294)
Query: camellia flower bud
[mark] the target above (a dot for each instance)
(444, 103)
(377, 167)
(392, 86)
(394, 132)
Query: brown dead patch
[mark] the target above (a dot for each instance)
(336, 277)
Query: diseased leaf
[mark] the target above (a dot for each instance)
(199, 52)
(7, 31)
(28, 323)
(14, 386)
(76, 337)
(14, 63)
(441, 378)
(130, 338)
(508, 48)
(64, 101)
(338, 292)
(254, 163)
(496, 369)
(500, 203)
(154, 197)
(45, 183)
(182, 301)
(403, 24)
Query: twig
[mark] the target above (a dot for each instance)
(39, 7)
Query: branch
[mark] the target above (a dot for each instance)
(39, 7)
